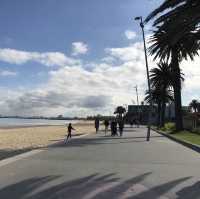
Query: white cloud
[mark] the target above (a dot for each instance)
(132, 52)
(191, 85)
(79, 48)
(6, 73)
(73, 90)
(130, 34)
(14, 56)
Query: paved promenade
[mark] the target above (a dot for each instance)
(99, 167)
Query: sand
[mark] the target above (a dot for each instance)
(21, 138)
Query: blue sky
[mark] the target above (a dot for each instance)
(52, 25)
(51, 49)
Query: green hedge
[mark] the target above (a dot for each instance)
(169, 127)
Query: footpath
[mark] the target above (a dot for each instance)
(99, 166)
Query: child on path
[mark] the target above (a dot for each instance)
(69, 129)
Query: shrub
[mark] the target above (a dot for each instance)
(170, 127)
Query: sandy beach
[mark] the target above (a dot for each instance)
(18, 139)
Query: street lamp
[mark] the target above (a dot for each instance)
(148, 79)
(136, 89)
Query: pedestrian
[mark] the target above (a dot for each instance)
(138, 123)
(131, 122)
(106, 123)
(121, 127)
(69, 129)
(114, 128)
(96, 124)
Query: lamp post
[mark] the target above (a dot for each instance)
(148, 79)
(136, 89)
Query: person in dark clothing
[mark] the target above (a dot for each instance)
(69, 129)
(121, 127)
(114, 128)
(131, 123)
(96, 124)
(106, 123)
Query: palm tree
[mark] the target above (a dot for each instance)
(159, 98)
(194, 105)
(176, 37)
(161, 77)
(164, 49)
(198, 108)
(155, 98)
(120, 110)
(183, 14)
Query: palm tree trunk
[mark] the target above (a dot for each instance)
(163, 107)
(177, 91)
(163, 114)
(158, 114)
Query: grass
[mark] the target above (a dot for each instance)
(188, 136)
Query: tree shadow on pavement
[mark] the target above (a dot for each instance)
(94, 186)
(101, 140)
(8, 153)
(190, 192)
(91, 141)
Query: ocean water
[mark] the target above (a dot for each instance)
(12, 122)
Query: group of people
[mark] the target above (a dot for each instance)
(114, 124)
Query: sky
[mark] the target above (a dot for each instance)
(75, 57)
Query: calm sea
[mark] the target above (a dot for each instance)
(12, 122)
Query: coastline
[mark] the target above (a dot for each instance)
(15, 140)
(27, 126)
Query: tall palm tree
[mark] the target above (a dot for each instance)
(194, 104)
(120, 110)
(163, 48)
(161, 77)
(176, 37)
(157, 97)
(183, 14)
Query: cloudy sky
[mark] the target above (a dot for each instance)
(75, 57)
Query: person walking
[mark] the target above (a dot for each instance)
(121, 127)
(114, 128)
(69, 129)
(106, 123)
(96, 124)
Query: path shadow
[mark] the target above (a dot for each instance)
(93, 141)
(101, 140)
(94, 186)
(190, 192)
(25, 187)
(130, 137)
(130, 130)
(8, 153)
